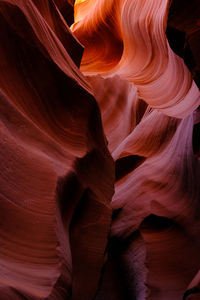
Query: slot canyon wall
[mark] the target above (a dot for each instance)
(99, 150)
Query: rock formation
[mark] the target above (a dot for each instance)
(100, 150)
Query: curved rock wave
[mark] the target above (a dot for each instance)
(106, 105)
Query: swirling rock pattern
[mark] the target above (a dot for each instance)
(100, 150)
(56, 172)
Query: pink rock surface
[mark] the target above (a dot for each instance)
(56, 172)
(99, 154)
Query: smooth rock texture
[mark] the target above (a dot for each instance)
(99, 150)
(57, 176)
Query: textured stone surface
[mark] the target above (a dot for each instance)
(99, 150)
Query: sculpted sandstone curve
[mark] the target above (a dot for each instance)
(100, 150)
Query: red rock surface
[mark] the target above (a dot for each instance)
(56, 172)
(99, 150)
